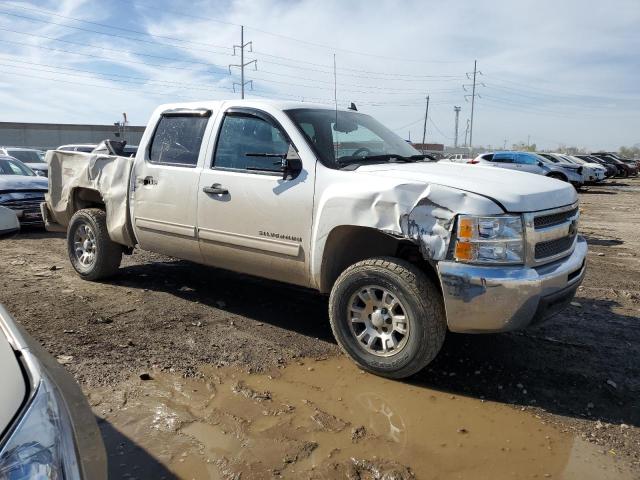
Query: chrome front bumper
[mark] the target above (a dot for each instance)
(481, 299)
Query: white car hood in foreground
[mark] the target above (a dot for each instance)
(515, 191)
(23, 182)
(14, 390)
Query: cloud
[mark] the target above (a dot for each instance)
(556, 71)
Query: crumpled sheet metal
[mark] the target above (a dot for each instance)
(107, 175)
(421, 213)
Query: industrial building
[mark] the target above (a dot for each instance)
(46, 136)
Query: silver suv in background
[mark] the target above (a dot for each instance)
(532, 163)
(30, 156)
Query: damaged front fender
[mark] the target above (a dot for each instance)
(421, 213)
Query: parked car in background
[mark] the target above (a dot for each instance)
(532, 163)
(457, 158)
(611, 169)
(30, 156)
(621, 158)
(627, 169)
(8, 221)
(591, 172)
(21, 190)
(80, 147)
(47, 429)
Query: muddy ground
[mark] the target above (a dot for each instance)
(575, 379)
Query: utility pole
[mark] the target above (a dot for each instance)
(124, 125)
(473, 96)
(466, 133)
(455, 138)
(424, 130)
(242, 63)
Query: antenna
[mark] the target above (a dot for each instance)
(335, 97)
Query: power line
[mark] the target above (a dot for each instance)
(205, 64)
(388, 74)
(298, 40)
(73, 27)
(104, 25)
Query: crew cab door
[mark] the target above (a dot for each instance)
(250, 218)
(164, 184)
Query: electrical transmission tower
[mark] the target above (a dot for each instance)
(242, 63)
(455, 137)
(473, 95)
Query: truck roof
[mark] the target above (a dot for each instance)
(279, 104)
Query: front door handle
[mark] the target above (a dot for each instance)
(216, 189)
(149, 180)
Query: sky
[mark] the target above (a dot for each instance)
(553, 73)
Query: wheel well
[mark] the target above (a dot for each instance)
(86, 198)
(347, 245)
(557, 175)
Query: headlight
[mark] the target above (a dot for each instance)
(489, 239)
(41, 446)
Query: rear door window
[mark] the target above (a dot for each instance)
(503, 158)
(177, 140)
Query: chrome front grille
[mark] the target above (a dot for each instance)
(553, 247)
(544, 221)
(551, 234)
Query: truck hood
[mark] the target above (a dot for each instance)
(12, 183)
(14, 389)
(515, 191)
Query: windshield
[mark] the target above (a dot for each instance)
(355, 138)
(11, 167)
(26, 156)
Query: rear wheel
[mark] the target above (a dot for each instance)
(557, 176)
(91, 252)
(387, 316)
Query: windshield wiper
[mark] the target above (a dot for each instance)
(375, 158)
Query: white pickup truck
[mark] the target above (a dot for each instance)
(334, 201)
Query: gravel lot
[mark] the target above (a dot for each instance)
(580, 371)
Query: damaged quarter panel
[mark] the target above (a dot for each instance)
(417, 211)
(107, 176)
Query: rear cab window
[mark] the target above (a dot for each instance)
(178, 138)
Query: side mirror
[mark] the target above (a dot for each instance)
(39, 173)
(540, 164)
(291, 164)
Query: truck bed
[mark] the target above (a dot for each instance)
(84, 178)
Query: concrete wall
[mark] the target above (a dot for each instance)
(48, 136)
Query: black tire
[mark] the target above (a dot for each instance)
(420, 299)
(107, 254)
(557, 176)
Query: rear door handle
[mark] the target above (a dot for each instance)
(215, 189)
(149, 180)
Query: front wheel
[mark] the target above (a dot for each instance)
(387, 316)
(91, 251)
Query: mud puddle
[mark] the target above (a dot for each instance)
(327, 419)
